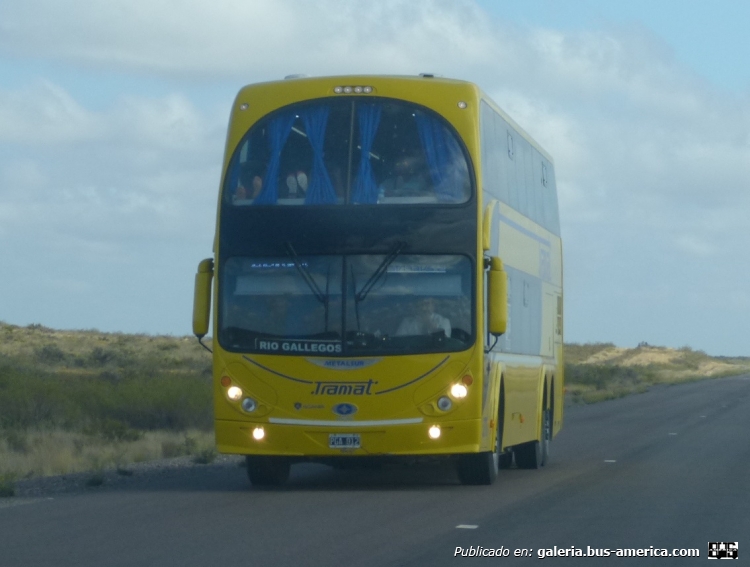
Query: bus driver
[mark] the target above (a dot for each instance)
(425, 321)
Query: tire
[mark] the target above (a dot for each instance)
(506, 460)
(534, 454)
(267, 471)
(481, 468)
(546, 435)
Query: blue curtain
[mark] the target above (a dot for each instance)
(320, 189)
(365, 187)
(278, 132)
(442, 152)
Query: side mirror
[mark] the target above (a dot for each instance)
(497, 297)
(202, 298)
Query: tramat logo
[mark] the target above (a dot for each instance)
(362, 388)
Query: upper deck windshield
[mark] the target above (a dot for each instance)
(355, 305)
(361, 150)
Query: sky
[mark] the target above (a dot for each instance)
(113, 119)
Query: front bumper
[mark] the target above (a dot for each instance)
(305, 439)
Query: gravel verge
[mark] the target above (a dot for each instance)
(134, 475)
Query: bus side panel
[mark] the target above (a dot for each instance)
(521, 401)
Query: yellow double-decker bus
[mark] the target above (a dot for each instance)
(387, 279)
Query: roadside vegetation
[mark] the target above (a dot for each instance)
(602, 371)
(73, 401)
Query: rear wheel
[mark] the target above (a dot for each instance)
(534, 454)
(267, 471)
(506, 460)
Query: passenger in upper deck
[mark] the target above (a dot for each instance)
(250, 181)
(296, 184)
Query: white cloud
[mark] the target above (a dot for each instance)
(141, 168)
(44, 114)
(256, 37)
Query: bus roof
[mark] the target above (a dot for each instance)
(407, 87)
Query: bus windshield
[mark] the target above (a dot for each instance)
(361, 151)
(355, 305)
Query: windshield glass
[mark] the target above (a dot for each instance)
(393, 304)
(363, 151)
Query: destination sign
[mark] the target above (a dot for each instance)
(305, 347)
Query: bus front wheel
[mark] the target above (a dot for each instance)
(267, 471)
(481, 468)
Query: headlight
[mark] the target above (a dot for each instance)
(459, 391)
(234, 393)
(249, 405)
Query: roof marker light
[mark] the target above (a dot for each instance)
(338, 90)
(461, 104)
(367, 90)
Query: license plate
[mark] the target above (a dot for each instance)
(343, 441)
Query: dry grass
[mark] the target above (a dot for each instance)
(107, 382)
(45, 453)
(73, 401)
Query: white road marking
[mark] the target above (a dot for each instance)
(20, 501)
(609, 461)
(466, 527)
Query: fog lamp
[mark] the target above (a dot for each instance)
(434, 432)
(259, 433)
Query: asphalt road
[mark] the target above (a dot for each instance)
(666, 469)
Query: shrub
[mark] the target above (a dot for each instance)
(205, 456)
(49, 354)
(7, 485)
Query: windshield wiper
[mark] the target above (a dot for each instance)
(378, 273)
(310, 281)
